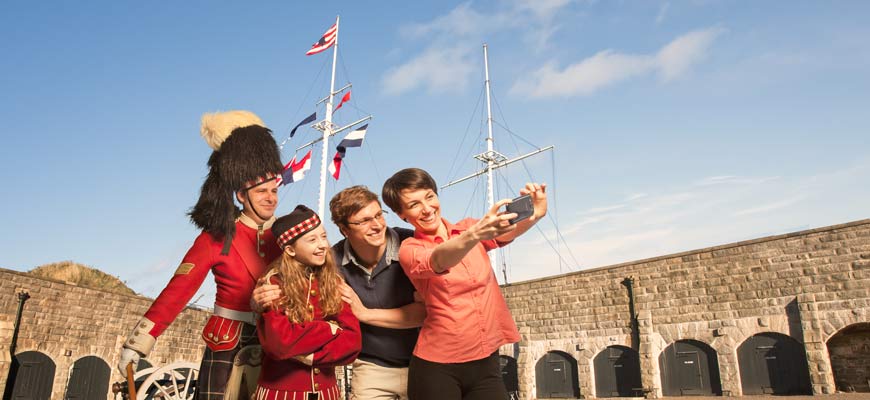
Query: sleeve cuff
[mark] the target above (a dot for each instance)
(140, 340)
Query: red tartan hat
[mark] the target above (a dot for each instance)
(291, 226)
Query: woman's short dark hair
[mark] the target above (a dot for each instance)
(408, 178)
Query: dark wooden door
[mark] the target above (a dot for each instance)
(33, 376)
(772, 363)
(89, 379)
(556, 376)
(617, 372)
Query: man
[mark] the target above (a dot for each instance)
(467, 317)
(379, 293)
(235, 245)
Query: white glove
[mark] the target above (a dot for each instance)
(128, 356)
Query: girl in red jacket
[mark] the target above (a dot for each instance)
(308, 330)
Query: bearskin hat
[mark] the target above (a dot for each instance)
(245, 154)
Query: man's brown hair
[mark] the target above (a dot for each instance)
(348, 202)
(408, 178)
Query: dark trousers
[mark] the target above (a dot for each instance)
(214, 372)
(473, 380)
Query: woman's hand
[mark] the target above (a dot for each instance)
(494, 223)
(538, 193)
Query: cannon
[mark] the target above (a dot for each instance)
(177, 381)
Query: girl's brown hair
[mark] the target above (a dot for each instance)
(294, 276)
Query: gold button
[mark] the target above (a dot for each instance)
(316, 371)
(131, 341)
(316, 386)
(313, 292)
(210, 335)
(311, 307)
(226, 337)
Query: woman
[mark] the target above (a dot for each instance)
(467, 319)
(309, 330)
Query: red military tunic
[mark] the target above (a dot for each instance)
(235, 274)
(299, 359)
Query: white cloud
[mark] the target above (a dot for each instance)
(437, 70)
(770, 206)
(675, 59)
(609, 67)
(731, 209)
(444, 66)
(583, 78)
(663, 12)
(734, 180)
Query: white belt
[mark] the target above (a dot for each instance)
(247, 317)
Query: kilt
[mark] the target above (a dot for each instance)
(217, 365)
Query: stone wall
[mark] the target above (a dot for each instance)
(807, 285)
(67, 322)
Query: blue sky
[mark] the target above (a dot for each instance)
(677, 125)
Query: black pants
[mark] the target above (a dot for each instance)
(473, 380)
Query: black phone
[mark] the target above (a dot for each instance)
(522, 206)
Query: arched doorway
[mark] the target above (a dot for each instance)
(617, 372)
(509, 373)
(556, 376)
(31, 376)
(773, 363)
(690, 367)
(849, 350)
(88, 379)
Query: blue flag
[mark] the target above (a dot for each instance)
(307, 120)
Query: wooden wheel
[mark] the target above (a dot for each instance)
(175, 381)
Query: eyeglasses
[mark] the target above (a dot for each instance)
(368, 221)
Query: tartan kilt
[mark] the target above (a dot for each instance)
(214, 371)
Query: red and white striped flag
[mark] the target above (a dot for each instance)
(335, 167)
(294, 171)
(325, 42)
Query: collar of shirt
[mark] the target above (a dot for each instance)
(391, 253)
(250, 223)
(452, 230)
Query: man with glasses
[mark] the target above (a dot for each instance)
(378, 291)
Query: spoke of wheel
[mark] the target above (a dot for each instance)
(187, 382)
(160, 388)
(175, 385)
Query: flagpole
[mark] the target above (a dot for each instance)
(327, 131)
(489, 161)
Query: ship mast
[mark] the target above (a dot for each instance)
(327, 127)
(492, 158)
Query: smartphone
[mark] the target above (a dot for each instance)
(522, 206)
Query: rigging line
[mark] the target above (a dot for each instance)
(471, 200)
(561, 259)
(374, 163)
(450, 172)
(559, 235)
(555, 213)
(305, 99)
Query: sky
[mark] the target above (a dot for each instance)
(677, 125)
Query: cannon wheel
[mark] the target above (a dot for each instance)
(171, 382)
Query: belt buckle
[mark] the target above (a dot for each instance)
(312, 396)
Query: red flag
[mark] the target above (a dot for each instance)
(326, 41)
(343, 99)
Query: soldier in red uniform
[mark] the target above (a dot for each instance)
(235, 245)
(309, 330)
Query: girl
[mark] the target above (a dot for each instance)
(308, 330)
